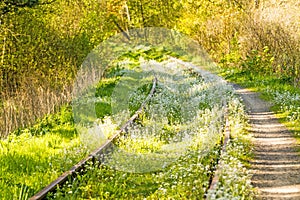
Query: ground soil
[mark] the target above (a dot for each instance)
(276, 163)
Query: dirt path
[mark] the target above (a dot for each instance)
(276, 165)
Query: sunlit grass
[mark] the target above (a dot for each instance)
(171, 151)
(284, 96)
(183, 124)
(35, 161)
(33, 157)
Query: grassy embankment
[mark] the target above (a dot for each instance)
(285, 97)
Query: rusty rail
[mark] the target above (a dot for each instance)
(95, 155)
(215, 178)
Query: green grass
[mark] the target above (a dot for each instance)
(235, 178)
(33, 157)
(279, 90)
(186, 176)
(185, 179)
(104, 90)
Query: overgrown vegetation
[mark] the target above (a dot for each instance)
(33, 157)
(43, 43)
(171, 151)
(234, 177)
(55, 140)
(279, 90)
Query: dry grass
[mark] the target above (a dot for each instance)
(236, 28)
(29, 104)
(275, 24)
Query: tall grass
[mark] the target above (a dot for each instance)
(28, 105)
(41, 49)
(42, 46)
(238, 32)
(275, 25)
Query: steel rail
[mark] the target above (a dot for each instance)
(226, 137)
(95, 155)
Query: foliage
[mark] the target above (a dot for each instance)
(259, 62)
(44, 42)
(240, 34)
(13, 5)
(42, 47)
(32, 157)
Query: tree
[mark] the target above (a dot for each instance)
(13, 5)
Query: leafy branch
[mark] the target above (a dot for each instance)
(13, 5)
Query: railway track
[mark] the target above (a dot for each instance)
(98, 154)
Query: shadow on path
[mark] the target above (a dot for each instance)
(276, 165)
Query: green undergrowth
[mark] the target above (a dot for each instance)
(164, 155)
(187, 178)
(279, 90)
(31, 158)
(171, 150)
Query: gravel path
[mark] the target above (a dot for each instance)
(276, 164)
